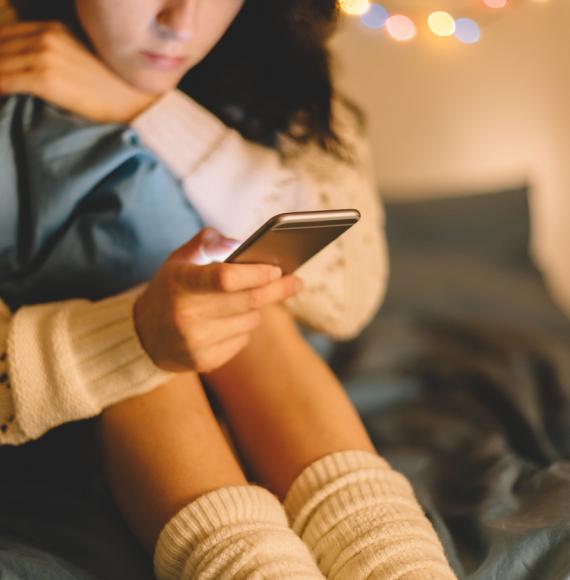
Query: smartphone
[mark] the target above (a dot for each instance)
(290, 239)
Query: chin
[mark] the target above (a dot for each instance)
(152, 83)
(149, 81)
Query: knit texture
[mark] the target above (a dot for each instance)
(69, 360)
(232, 533)
(10, 431)
(236, 185)
(361, 520)
(184, 141)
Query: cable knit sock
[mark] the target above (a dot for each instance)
(232, 533)
(360, 519)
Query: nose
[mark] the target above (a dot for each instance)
(178, 19)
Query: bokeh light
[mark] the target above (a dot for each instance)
(400, 27)
(441, 23)
(354, 7)
(375, 17)
(495, 3)
(467, 30)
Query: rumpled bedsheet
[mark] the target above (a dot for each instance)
(463, 380)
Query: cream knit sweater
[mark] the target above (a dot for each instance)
(68, 360)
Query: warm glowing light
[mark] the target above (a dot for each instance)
(400, 27)
(495, 3)
(375, 17)
(354, 7)
(441, 23)
(467, 30)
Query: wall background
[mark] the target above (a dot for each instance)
(453, 119)
(450, 117)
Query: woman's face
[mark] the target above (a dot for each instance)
(151, 44)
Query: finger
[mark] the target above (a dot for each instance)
(227, 277)
(231, 304)
(193, 250)
(17, 45)
(206, 247)
(217, 330)
(22, 62)
(25, 81)
(215, 357)
(30, 29)
(40, 36)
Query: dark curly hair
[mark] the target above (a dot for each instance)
(269, 74)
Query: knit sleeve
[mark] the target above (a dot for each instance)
(10, 432)
(67, 361)
(345, 283)
(236, 185)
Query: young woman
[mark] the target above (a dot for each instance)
(252, 130)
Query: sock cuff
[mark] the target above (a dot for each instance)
(336, 471)
(203, 517)
(361, 519)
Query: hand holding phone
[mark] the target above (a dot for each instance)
(196, 314)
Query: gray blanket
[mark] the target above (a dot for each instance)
(463, 380)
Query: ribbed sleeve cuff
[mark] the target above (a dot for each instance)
(180, 132)
(109, 355)
(70, 360)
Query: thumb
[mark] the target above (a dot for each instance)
(207, 246)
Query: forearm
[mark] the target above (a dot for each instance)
(284, 405)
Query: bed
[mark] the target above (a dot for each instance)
(463, 381)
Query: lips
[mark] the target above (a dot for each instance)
(164, 62)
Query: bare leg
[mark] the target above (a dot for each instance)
(175, 478)
(285, 407)
(162, 450)
(302, 438)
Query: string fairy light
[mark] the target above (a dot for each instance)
(441, 23)
(400, 27)
(375, 17)
(354, 7)
(401, 19)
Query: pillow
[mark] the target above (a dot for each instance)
(468, 257)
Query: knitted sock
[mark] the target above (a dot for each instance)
(360, 519)
(232, 533)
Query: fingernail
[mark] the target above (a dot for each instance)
(275, 273)
(230, 243)
(210, 235)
